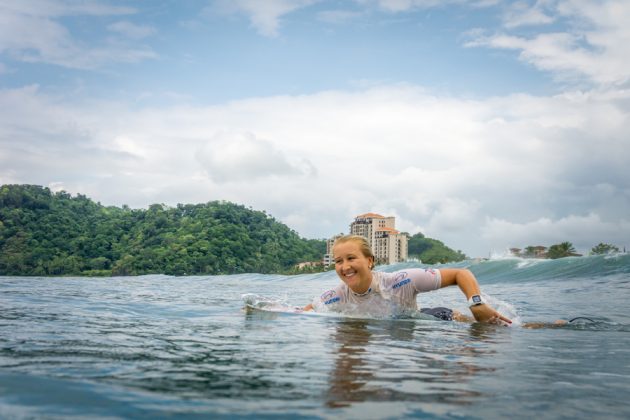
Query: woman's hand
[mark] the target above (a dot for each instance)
(485, 313)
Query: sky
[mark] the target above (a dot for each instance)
(486, 124)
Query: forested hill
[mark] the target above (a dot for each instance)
(45, 233)
(432, 251)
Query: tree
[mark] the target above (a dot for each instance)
(42, 233)
(561, 250)
(602, 248)
(432, 251)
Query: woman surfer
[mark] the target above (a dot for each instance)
(354, 261)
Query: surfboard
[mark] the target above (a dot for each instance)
(277, 309)
(264, 305)
(255, 302)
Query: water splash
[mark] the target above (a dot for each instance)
(255, 301)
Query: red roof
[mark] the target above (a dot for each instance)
(386, 229)
(370, 216)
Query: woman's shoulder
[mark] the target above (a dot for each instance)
(386, 278)
(422, 278)
(393, 275)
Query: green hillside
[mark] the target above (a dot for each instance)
(45, 233)
(432, 251)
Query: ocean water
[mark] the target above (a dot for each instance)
(185, 347)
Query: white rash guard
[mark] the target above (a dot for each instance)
(399, 288)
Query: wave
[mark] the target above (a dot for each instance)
(515, 269)
(511, 269)
(522, 269)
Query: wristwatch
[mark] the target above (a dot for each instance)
(476, 300)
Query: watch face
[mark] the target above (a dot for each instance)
(476, 299)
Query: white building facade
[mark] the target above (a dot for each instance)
(388, 244)
(328, 257)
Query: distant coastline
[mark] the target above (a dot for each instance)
(45, 233)
(561, 250)
(55, 234)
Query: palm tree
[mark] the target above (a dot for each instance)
(561, 250)
(602, 248)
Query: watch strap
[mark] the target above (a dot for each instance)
(475, 300)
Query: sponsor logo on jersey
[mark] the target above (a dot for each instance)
(400, 276)
(401, 283)
(430, 271)
(328, 294)
(333, 300)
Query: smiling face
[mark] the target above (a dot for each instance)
(352, 266)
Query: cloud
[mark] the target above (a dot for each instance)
(53, 43)
(513, 170)
(339, 16)
(132, 30)
(58, 8)
(43, 143)
(521, 13)
(591, 47)
(397, 6)
(239, 157)
(264, 16)
(581, 231)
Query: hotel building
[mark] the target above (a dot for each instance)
(388, 244)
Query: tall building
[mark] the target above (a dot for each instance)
(388, 244)
(369, 223)
(328, 257)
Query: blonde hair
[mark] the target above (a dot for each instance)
(364, 245)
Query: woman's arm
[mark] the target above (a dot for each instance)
(467, 283)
